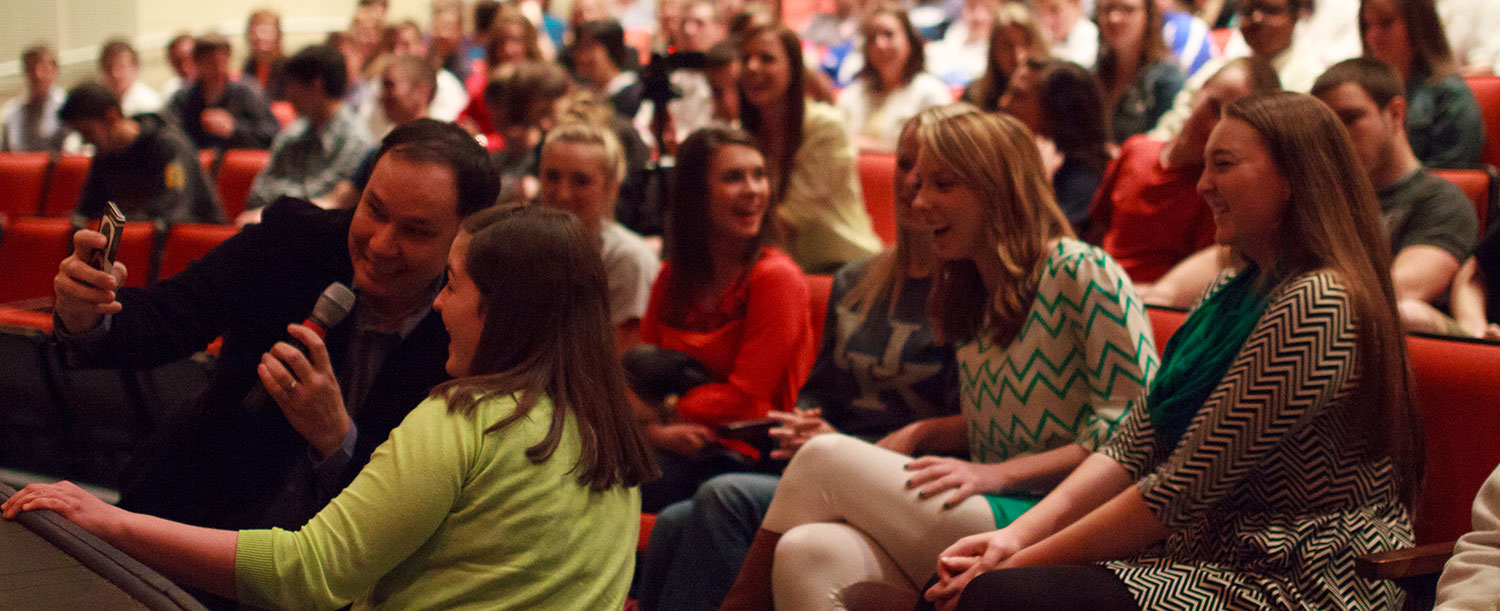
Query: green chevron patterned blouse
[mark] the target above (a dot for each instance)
(1082, 359)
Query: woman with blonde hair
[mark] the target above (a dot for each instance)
(1279, 440)
(1053, 348)
(581, 169)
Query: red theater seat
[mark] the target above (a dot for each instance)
(877, 179)
(188, 242)
(23, 177)
(65, 184)
(1456, 386)
(1487, 92)
(1455, 389)
(29, 254)
(1481, 186)
(236, 172)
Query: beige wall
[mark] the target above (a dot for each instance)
(78, 27)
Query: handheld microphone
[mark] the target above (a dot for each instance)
(332, 307)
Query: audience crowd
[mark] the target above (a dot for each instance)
(583, 260)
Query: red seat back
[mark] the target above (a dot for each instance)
(23, 176)
(1456, 382)
(1164, 322)
(137, 242)
(29, 253)
(1479, 185)
(189, 242)
(65, 184)
(1487, 92)
(236, 172)
(820, 288)
(877, 179)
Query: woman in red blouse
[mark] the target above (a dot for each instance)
(727, 335)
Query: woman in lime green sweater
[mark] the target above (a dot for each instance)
(513, 486)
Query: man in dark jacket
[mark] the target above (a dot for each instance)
(277, 433)
(217, 112)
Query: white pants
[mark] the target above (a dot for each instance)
(854, 536)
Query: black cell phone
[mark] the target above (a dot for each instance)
(748, 430)
(112, 225)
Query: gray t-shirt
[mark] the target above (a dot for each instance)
(630, 267)
(1422, 209)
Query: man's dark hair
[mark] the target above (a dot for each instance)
(209, 44)
(320, 63)
(484, 14)
(433, 141)
(606, 32)
(88, 101)
(114, 47)
(513, 90)
(35, 53)
(1379, 80)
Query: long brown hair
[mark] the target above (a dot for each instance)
(794, 100)
(916, 58)
(995, 156)
(885, 274)
(689, 229)
(507, 16)
(1432, 58)
(547, 333)
(1153, 47)
(985, 92)
(1333, 222)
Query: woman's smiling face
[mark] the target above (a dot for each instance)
(954, 210)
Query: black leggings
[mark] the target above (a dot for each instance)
(1044, 588)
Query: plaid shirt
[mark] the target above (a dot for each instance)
(307, 162)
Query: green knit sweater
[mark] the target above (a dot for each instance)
(446, 516)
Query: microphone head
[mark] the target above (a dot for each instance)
(333, 305)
